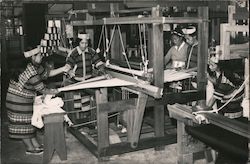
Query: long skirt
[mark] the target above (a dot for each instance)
(19, 110)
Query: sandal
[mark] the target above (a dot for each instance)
(34, 152)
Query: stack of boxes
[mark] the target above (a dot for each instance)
(51, 38)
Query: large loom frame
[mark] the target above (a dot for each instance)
(136, 106)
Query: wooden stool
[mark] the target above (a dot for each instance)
(54, 137)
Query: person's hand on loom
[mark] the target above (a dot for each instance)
(102, 70)
(201, 119)
(68, 71)
(71, 73)
(53, 91)
(66, 68)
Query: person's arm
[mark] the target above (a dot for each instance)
(71, 63)
(39, 86)
(211, 102)
(47, 91)
(98, 63)
(62, 51)
(211, 76)
(211, 79)
(57, 71)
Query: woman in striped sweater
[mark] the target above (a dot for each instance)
(22, 90)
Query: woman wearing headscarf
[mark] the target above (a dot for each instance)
(177, 55)
(190, 35)
(23, 88)
(228, 95)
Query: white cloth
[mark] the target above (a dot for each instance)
(41, 108)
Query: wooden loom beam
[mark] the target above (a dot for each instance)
(158, 70)
(225, 31)
(140, 85)
(229, 124)
(156, 33)
(184, 116)
(169, 98)
(138, 117)
(136, 20)
(202, 50)
(102, 119)
(187, 147)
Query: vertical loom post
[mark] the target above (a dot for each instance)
(102, 119)
(202, 51)
(54, 137)
(158, 71)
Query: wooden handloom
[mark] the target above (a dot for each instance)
(149, 91)
(188, 146)
(232, 51)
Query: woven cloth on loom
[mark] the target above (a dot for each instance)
(234, 146)
(173, 75)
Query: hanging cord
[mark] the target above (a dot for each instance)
(79, 111)
(100, 39)
(111, 38)
(104, 42)
(217, 110)
(93, 121)
(124, 52)
(145, 49)
(141, 48)
(190, 54)
(106, 37)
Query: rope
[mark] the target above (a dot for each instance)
(143, 46)
(190, 54)
(124, 53)
(145, 49)
(78, 111)
(93, 121)
(106, 36)
(104, 42)
(217, 110)
(140, 38)
(111, 38)
(101, 35)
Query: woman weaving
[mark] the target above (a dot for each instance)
(177, 55)
(22, 90)
(228, 95)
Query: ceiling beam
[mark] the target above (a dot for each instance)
(123, 1)
(136, 20)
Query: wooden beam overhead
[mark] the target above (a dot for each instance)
(138, 3)
(157, 1)
(165, 3)
(136, 20)
(71, 1)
